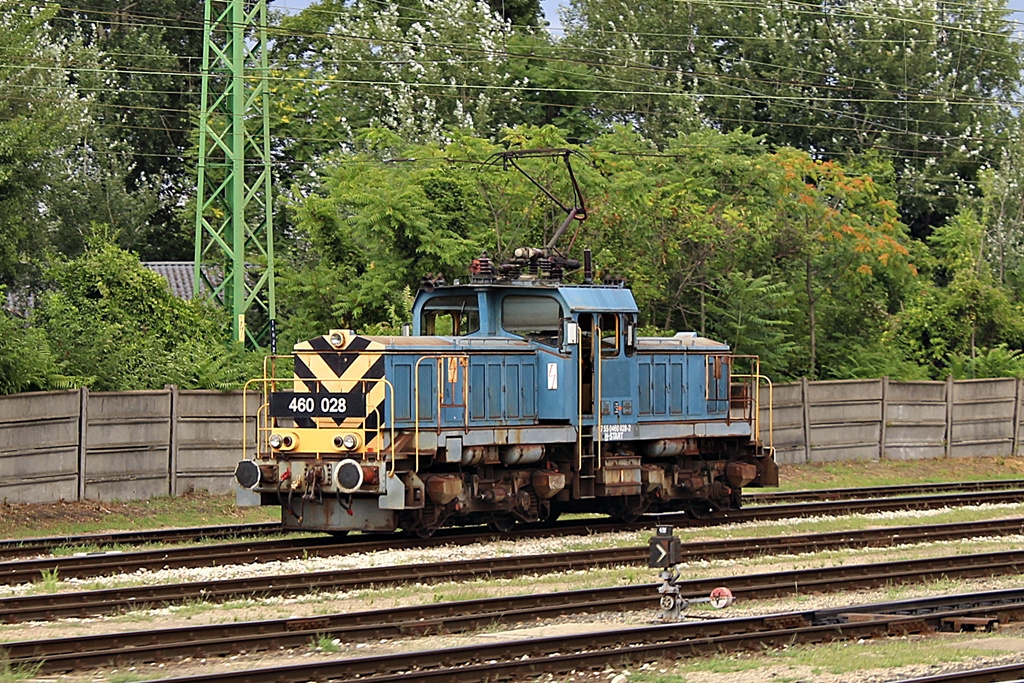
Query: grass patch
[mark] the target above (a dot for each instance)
(849, 474)
(12, 674)
(73, 519)
(834, 658)
(127, 678)
(325, 643)
(205, 509)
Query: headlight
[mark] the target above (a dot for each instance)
(284, 442)
(336, 339)
(348, 441)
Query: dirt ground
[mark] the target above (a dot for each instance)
(19, 520)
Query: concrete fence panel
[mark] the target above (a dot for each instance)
(127, 445)
(785, 419)
(984, 415)
(844, 420)
(39, 446)
(209, 428)
(915, 420)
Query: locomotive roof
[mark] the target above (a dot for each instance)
(582, 298)
(685, 340)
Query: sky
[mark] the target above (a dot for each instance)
(550, 8)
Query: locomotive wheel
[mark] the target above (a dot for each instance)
(424, 532)
(549, 514)
(626, 516)
(501, 523)
(700, 509)
(629, 511)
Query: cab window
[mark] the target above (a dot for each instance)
(609, 335)
(533, 317)
(450, 316)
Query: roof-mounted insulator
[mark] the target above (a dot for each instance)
(482, 269)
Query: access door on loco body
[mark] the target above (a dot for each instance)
(607, 346)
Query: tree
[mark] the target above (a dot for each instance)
(921, 81)
(961, 309)
(518, 12)
(753, 315)
(373, 230)
(117, 326)
(142, 87)
(839, 235)
(40, 116)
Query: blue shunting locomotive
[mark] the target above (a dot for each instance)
(517, 397)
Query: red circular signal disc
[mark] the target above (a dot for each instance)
(721, 597)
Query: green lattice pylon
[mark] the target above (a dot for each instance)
(234, 261)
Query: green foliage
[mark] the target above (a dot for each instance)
(39, 115)
(753, 315)
(1000, 361)
(837, 79)
(117, 324)
(781, 255)
(374, 231)
(141, 81)
(962, 309)
(26, 362)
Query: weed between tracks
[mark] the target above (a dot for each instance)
(12, 674)
(49, 582)
(794, 663)
(325, 643)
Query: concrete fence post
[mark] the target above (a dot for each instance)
(1015, 439)
(885, 412)
(950, 385)
(172, 444)
(83, 438)
(805, 395)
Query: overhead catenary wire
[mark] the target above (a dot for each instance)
(794, 99)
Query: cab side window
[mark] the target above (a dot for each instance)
(609, 335)
(536, 318)
(450, 316)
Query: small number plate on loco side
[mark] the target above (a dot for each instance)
(295, 404)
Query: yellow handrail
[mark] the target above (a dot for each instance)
(264, 426)
(463, 363)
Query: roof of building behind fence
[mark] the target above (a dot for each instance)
(177, 273)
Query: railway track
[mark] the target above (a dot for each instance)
(768, 497)
(120, 649)
(107, 601)
(14, 548)
(516, 659)
(1008, 672)
(103, 564)
(20, 547)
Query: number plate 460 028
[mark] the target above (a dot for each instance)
(295, 404)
